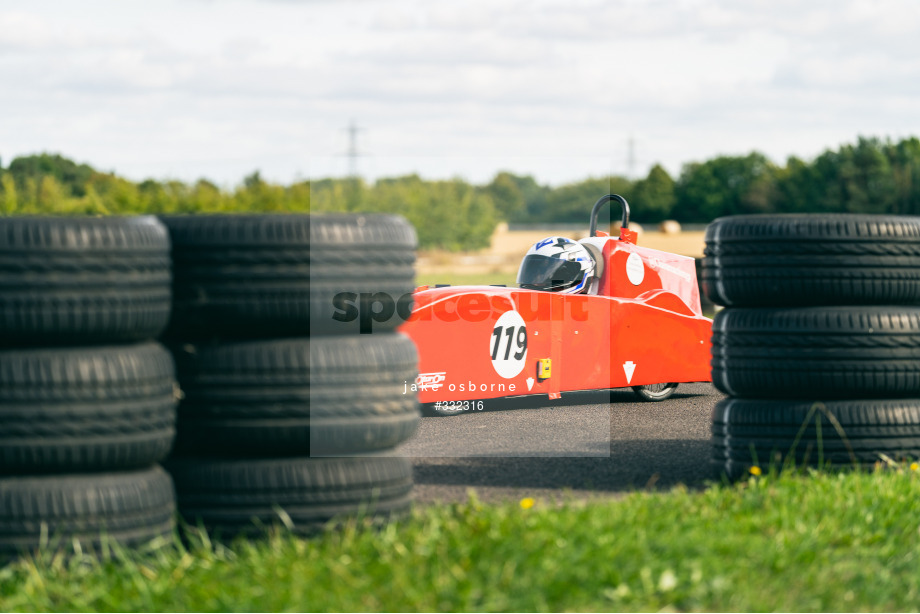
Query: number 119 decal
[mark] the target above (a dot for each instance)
(508, 344)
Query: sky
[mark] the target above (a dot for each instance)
(558, 89)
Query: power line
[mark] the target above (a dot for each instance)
(353, 153)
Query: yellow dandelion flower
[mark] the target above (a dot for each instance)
(755, 470)
(527, 503)
(914, 466)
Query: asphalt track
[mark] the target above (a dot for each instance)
(584, 445)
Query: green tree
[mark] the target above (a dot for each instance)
(51, 195)
(905, 168)
(506, 195)
(72, 176)
(10, 204)
(115, 194)
(298, 197)
(798, 187)
(571, 203)
(535, 198)
(155, 198)
(654, 196)
(28, 196)
(257, 195)
(93, 203)
(871, 175)
(725, 185)
(449, 214)
(203, 197)
(866, 177)
(855, 178)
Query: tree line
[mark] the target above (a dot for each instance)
(870, 176)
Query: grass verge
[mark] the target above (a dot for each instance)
(826, 541)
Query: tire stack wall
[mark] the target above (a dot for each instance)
(289, 415)
(87, 400)
(819, 344)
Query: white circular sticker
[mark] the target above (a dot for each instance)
(508, 344)
(635, 270)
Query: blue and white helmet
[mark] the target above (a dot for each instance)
(556, 264)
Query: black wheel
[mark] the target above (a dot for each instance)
(239, 276)
(131, 507)
(67, 281)
(368, 255)
(66, 410)
(232, 497)
(812, 433)
(798, 260)
(297, 396)
(817, 352)
(655, 392)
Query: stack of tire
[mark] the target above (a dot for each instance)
(289, 415)
(819, 343)
(87, 400)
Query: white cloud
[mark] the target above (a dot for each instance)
(223, 87)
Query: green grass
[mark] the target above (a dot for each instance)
(839, 542)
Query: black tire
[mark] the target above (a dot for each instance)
(370, 255)
(82, 280)
(298, 396)
(817, 352)
(655, 392)
(278, 275)
(86, 409)
(799, 260)
(813, 433)
(232, 497)
(131, 507)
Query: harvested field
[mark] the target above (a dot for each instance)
(503, 256)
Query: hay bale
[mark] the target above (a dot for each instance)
(669, 227)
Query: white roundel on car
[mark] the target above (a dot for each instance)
(508, 344)
(635, 270)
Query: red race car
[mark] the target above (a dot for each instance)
(595, 314)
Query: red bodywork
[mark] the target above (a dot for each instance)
(643, 325)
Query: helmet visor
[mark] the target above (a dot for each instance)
(539, 272)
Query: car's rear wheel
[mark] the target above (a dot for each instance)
(655, 392)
